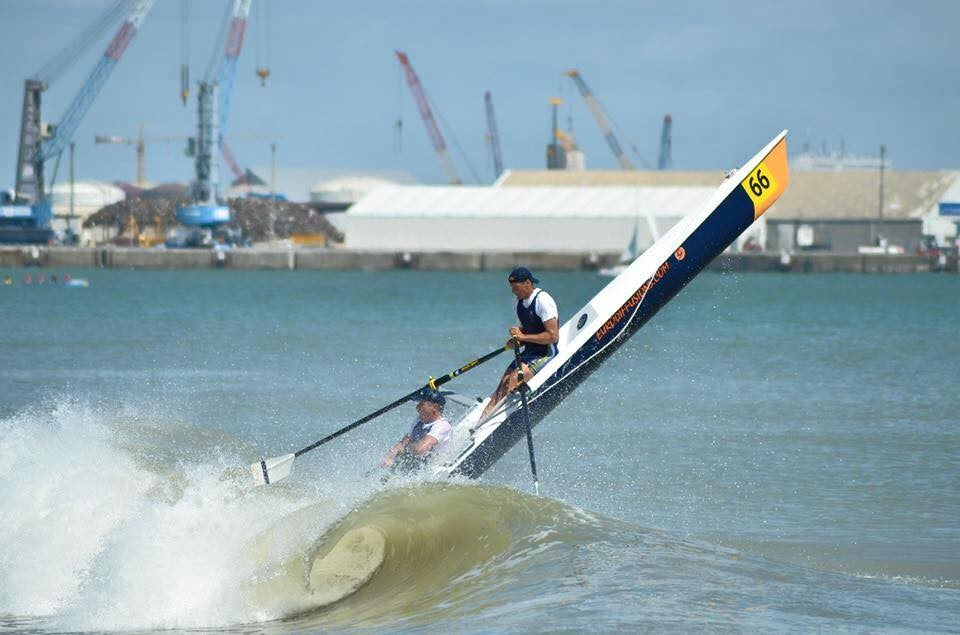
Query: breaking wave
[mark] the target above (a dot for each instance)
(126, 521)
(119, 519)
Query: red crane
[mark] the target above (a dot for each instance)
(433, 130)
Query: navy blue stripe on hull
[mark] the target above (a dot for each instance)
(727, 221)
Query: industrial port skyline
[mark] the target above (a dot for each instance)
(849, 75)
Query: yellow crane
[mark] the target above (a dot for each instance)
(140, 143)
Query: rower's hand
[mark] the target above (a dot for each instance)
(515, 332)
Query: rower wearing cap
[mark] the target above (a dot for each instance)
(538, 332)
(429, 431)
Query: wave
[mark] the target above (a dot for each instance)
(432, 544)
(119, 519)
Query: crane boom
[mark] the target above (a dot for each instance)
(601, 119)
(36, 145)
(494, 136)
(238, 172)
(228, 69)
(140, 143)
(436, 138)
(91, 88)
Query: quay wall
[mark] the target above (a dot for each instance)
(344, 259)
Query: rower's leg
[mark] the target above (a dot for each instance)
(508, 383)
(502, 389)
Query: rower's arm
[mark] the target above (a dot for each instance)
(424, 445)
(395, 450)
(551, 334)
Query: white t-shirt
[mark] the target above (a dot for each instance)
(546, 306)
(441, 430)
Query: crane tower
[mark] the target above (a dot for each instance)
(213, 107)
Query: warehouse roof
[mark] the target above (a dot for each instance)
(811, 195)
(541, 201)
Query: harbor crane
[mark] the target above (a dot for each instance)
(28, 219)
(556, 152)
(494, 136)
(214, 95)
(433, 130)
(601, 119)
(665, 160)
(140, 143)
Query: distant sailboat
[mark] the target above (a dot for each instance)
(629, 255)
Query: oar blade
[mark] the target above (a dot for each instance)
(266, 471)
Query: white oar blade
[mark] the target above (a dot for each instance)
(272, 470)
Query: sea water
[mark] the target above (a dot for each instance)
(770, 452)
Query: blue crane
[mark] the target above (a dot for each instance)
(214, 96)
(27, 218)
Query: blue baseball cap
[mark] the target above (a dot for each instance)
(433, 396)
(519, 274)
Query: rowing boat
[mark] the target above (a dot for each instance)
(621, 308)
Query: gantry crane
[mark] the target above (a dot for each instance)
(494, 136)
(436, 138)
(601, 119)
(140, 143)
(213, 108)
(29, 218)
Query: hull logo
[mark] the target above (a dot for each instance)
(581, 321)
(680, 253)
(629, 306)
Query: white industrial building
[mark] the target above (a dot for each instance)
(522, 218)
(597, 211)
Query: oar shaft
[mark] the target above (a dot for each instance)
(358, 422)
(456, 373)
(526, 414)
(433, 383)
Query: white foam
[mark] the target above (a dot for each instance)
(99, 537)
(63, 489)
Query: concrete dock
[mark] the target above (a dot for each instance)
(345, 259)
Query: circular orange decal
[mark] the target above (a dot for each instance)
(680, 254)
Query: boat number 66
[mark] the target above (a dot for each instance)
(758, 183)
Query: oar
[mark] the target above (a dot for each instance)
(526, 415)
(271, 470)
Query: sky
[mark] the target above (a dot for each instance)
(839, 74)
